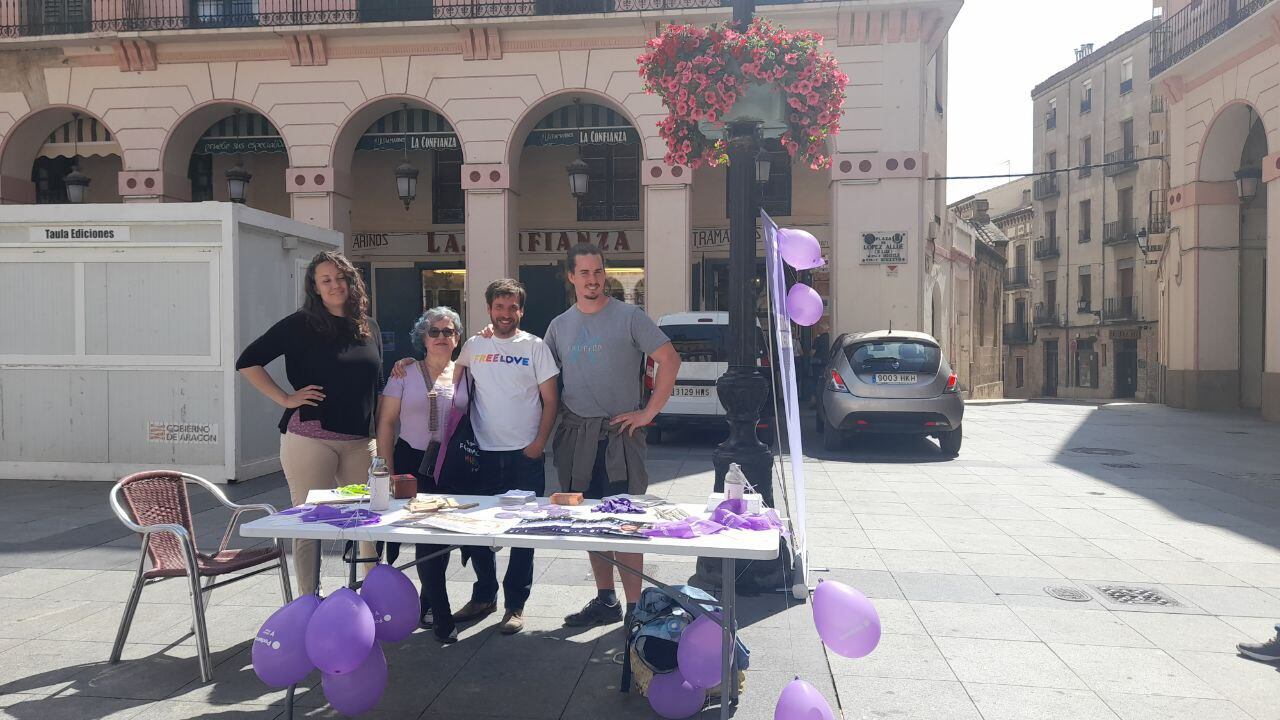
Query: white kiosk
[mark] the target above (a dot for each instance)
(120, 329)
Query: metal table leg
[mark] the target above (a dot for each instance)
(729, 686)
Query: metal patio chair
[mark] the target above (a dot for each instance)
(155, 504)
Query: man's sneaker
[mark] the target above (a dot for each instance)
(512, 622)
(595, 613)
(474, 611)
(1268, 651)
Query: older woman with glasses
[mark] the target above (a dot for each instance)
(414, 411)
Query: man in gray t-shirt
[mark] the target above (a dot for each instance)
(600, 344)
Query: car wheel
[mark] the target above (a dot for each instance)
(831, 437)
(950, 441)
(653, 436)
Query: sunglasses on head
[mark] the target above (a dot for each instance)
(437, 332)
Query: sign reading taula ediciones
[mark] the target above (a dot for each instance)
(113, 233)
(884, 248)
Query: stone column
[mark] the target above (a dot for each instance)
(1271, 348)
(152, 186)
(667, 231)
(319, 196)
(16, 191)
(490, 234)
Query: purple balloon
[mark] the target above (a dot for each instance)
(340, 633)
(698, 653)
(800, 249)
(280, 650)
(672, 697)
(846, 620)
(359, 690)
(393, 601)
(804, 305)
(801, 701)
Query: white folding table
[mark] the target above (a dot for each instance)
(729, 545)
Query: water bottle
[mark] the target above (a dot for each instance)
(379, 485)
(735, 483)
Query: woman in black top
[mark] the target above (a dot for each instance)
(333, 358)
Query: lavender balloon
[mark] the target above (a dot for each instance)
(800, 249)
(341, 633)
(698, 653)
(393, 601)
(279, 650)
(801, 701)
(359, 690)
(672, 697)
(846, 620)
(804, 305)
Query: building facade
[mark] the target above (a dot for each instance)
(977, 261)
(320, 101)
(1013, 214)
(1217, 64)
(1098, 195)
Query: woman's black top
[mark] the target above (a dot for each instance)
(348, 371)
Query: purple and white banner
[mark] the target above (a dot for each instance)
(786, 364)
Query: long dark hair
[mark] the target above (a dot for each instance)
(355, 326)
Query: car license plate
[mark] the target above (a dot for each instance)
(693, 392)
(895, 378)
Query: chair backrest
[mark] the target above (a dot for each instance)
(158, 497)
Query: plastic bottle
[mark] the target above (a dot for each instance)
(379, 485)
(735, 483)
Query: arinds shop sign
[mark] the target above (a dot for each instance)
(366, 244)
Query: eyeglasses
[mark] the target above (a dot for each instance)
(437, 332)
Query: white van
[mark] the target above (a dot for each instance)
(702, 339)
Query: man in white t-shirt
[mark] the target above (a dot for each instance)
(512, 414)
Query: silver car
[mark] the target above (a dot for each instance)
(893, 382)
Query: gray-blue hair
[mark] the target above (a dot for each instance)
(431, 317)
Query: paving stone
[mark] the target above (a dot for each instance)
(1186, 632)
(1220, 600)
(1061, 547)
(944, 588)
(897, 656)
(20, 706)
(1005, 702)
(923, 561)
(1006, 662)
(949, 619)
(32, 582)
(170, 710)
(1256, 574)
(1147, 706)
(1010, 565)
(1125, 549)
(1096, 569)
(1132, 670)
(873, 698)
(905, 540)
(985, 543)
(1080, 626)
(872, 583)
(1250, 685)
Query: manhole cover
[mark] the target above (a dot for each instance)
(1123, 595)
(1099, 451)
(1122, 466)
(1070, 594)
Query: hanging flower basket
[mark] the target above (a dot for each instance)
(710, 76)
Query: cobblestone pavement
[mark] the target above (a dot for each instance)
(956, 554)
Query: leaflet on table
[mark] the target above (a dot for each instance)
(454, 522)
(591, 527)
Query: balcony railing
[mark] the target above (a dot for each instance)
(1119, 161)
(1016, 277)
(1157, 104)
(1158, 220)
(1046, 248)
(27, 18)
(1120, 231)
(1017, 333)
(1045, 315)
(1195, 26)
(1051, 119)
(1045, 187)
(1115, 309)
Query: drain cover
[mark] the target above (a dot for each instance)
(1121, 465)
(1099, 451)
(1124, 595)
(1070, 594)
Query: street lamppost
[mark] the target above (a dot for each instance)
(742, 389)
